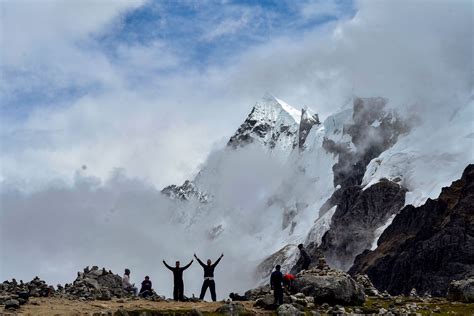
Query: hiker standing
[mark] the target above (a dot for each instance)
(208, 277)
(126, 285)
(304, 255)
(178, 290)
(276, 280)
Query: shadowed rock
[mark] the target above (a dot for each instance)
(426, 247)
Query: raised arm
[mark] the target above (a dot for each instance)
(169, 267)
(199, 260)
(188, 265)
(218, 260)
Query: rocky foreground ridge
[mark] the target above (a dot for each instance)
(319, 290)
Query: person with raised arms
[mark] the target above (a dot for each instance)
(178, 290)
(208, 277)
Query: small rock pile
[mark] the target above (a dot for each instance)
(13, 293)
(231, 308)
(369, 288)
(93, 284)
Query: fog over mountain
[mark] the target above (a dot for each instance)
(81, 180)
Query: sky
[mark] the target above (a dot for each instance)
(103, 103)
(162, 76)
(154, 86)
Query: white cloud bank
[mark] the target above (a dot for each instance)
(161, 126)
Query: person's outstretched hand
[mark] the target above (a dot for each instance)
(222, 255)
(195, 256)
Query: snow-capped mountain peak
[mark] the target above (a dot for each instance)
(270, 101)
(272, 122)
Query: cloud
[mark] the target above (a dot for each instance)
(149, 91)
(226, 27)
(321, 9)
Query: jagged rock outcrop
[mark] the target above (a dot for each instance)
(185, 192)
(330, 286)
(426, 247)
(359, 213)
(374, 129)
(308, 120)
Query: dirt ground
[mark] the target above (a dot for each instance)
(58, 306)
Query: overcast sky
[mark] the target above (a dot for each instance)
(152, 86)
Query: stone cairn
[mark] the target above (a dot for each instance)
(93, 284)
(13, 293)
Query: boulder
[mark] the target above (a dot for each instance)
(462, 291)
(330, 286)
(288, 310)
(231, 308)
(266, 302)
(254, 294)
(12, 304)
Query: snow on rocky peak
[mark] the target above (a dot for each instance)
(271, 122)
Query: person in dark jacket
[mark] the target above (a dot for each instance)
(276, 280)
(178, 290)
(208, 277)
(236, 297)
(305, 256)
(146, 289)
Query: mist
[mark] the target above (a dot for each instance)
(135, 138)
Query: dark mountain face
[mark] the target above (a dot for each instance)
(374, 130)
(428, 246)
(359, 213)
(308, 120)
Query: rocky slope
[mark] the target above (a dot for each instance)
(359, 213)
(426, 247)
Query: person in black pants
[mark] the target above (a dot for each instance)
(208, 277)
(178, 290)
(276, 280)
(305, 256)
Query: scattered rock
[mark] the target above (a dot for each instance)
(462, 291)
(12, 304)
(266, 302)
(288, 310)
(369, 288)
(231, 308)
(93, 283)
